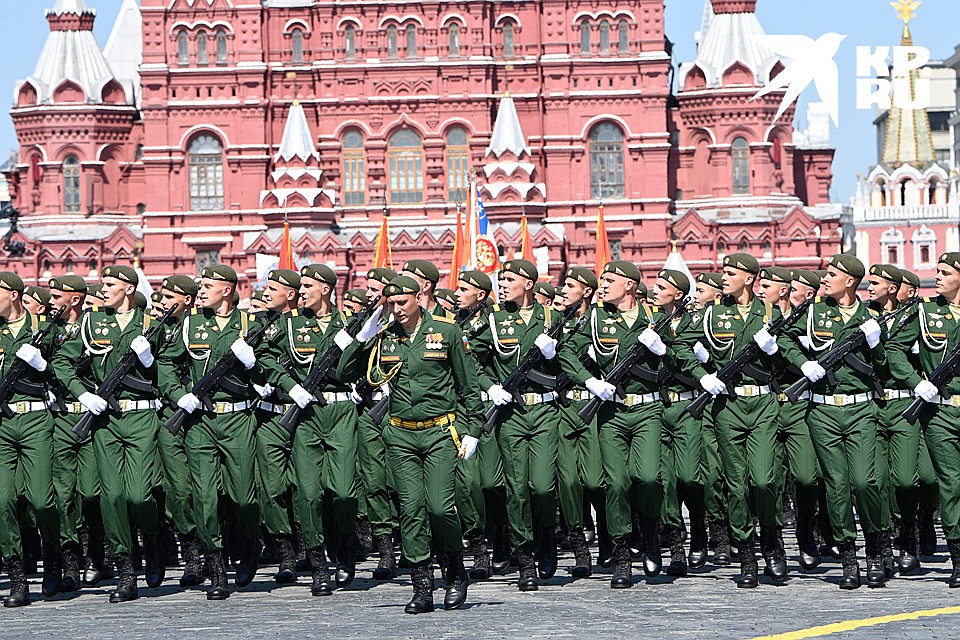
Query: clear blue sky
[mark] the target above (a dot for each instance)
(865, 22)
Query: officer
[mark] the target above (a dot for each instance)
(26, 443)
(544, 293)
(426, 358)
(354, 300)
(427, 276)
(36, 300)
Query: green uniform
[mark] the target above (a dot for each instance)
(377, 483)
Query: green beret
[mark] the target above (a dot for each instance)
(286, 277)
(584, 276)
(220, 272)
(743, 262)
(623, 268)
(401, 285)
(776, 274)
(355, 295)
(184, 285)
(910, 278)
(95, 290)
(806, 278)
(156, 297)
(642, 290)
(121, 272)
(850, 265)
(257, 295)
(320, 272)
(887, 272)
(446, 294)
(676, 278)
(381, 274)
(545, 289)
(11, 281)
(423, 268)
(236, 297)
(821, 273)
(713, 280)
(523, 268)
(71, 284)
(139, 300)
(41, 295)
(951, 259)
(477, 279)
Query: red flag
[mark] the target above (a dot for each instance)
(459, 248)
(286, 249)
(383, 257)
(526, 248)
(603, 245)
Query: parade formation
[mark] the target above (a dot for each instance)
(443, 425)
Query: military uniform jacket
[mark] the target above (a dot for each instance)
(200, 346)
(676, 376)
(294, 344)
(928, 333)
(33, 384)
(425, 373)
(65, 332)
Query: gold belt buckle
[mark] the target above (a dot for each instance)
(748, 391)
(839, 400)
(955, 401)
(123, 405)
(887, 394)
(673, 396)
(76, 407)
(782, 397)
(220, 407)
(22, 407)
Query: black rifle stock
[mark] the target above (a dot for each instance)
(18, 366)
(941, 376)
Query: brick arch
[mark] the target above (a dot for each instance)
(68, 91)
(27, 95)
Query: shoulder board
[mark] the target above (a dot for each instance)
(294, 313)
(718, 303)
(194, 311)
(928, 299)
(873, 312)
(346, 313)
(818, 300)
(444, 319)
(96, 309)
(653, 308)
(42, 318)
(496, 307)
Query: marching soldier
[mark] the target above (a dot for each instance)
(36, 300)
(447, 299)
(257, 303)
(544, 293)
(427, 276)
(354, 300)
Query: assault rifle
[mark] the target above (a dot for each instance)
(17, 368)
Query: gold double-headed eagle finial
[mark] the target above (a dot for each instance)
(906, 9)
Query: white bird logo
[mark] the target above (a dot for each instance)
(810, 61)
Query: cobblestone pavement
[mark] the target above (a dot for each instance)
(704, 605)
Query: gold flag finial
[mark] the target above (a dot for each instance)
(906, 9)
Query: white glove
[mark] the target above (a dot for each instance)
(547, 346)
(342, 339)
(871, 329)
(141, 346)
(499, 396)
(263, 391)
(93, 403)
(301, 396)
(468, 446)
(700, 351)
(766, 342)
(189, 403)
(927, 391)
(244, 353)
(651, 340)
(712, 385)
(592, 353)
(371, 327)
(355, 397)
(915, 349)
(32, 356)
(813, 370)
(601, 388)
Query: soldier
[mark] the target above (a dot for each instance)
(124, 434)
(220, 443)
(26, 445)
(140, 301)
(257, 303)
(708, 290)
(354, 300)
(427, 276)
(446, 299)
(36, 300)
(544, 293)
(426, 358)
(910, 287)
(94, 296)
(156, 306)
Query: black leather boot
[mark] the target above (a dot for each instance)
(127, 586)
(249, 555)
(52, 569)
(851, 568)
(698, 543)
(481, 558)
(346, 561)
(678, 560)
(71, 568)
(886, 555)
(19, 587)
(547, 553)
(218, 577)
(771, 546)
(387, 566)
(500, 562)
(528, 570)
(622, 565)
(153, 559)
(809, 552)
(422, 577)
(652, 561)
(583, 562)
(97, 567)
(909, 557)
(720, 536)
(748, 565)
(191, 560)
(954, 548)
(287, 569)
(876, 577)
(457, 581)
(320, 572)
(928, 532)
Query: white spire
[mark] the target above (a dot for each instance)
(297, 140)
(704, 22)
(62, 7)
(507, 135)
(676, 262)
(124, 49)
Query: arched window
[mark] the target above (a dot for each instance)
(202, 57)
(585, 36)
(354, 168)
(623, 33)
(221, 47)
(183, 48)
(606, 162)
(392, 42)
(71, 185)
(406, 167)
(741, 166)
(296, 37)
(932, 191)
(904, 184)
(882, 190)
(205, 160)
(604, 37)
(454, 40)
(508, 40)
(924, 248)
(411, 41)
(891, 245)
(350, 42)
(458, 164)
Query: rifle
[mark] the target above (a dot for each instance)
(833, 358)
(323, 370)
(516, 378)
(622, 369)
(941, 376)
(18, 367)
(112, 382)
(747, 354)
(204, 387)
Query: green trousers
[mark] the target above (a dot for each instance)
(325, 462)
(798, 459)
(845, 439)
(898, 462)
(470, 503)
(125, 446)
(747, 436)
(75, 480)
(176, 480)
(941, 429)
(377, 485)
(681, 450)
(579, 467)
(492, 480)
(928, 492)
(221, 452)
(275, 474)
(711, 472)
(423, 463)
(26, 444)
(630, 451)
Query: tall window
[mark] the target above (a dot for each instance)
(585, 36)
(205, 159)
(71, 185)
(297, 43)
(508, 39)
(623, 33)
(454, 40)
(202, 57)
(406, 167)
(391, 41)
(606, 162)
(604, 36)
(183, 48)
(458, 164)
(354, 169)
(741, 166)
(411, 41)
(350, 38)
(891, 246)
(221, 47)
(924, 248)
